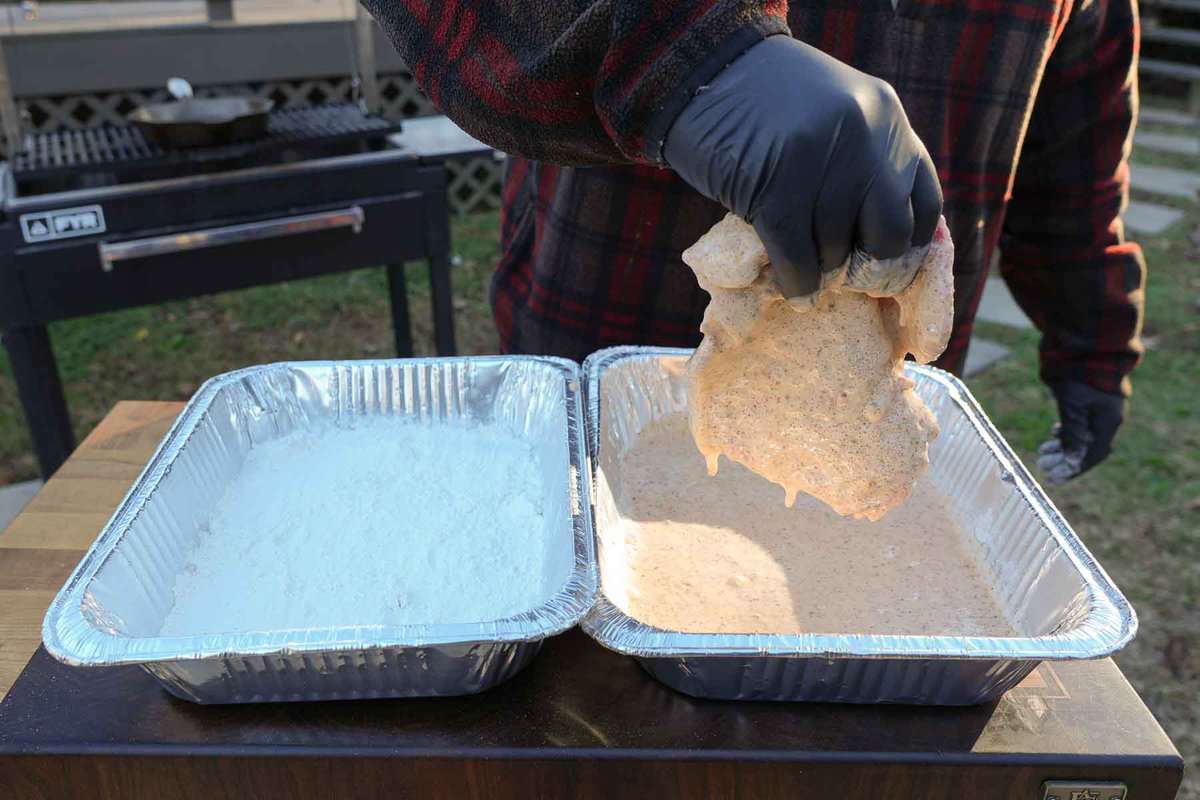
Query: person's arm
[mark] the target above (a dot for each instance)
(1063, 250)
(711, 88)
(568, 81)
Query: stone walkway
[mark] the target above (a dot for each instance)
(997, 305)
(1180, 144)
(14, 498)
(1152, 218)
(1146, 216)
(1168, 116)
(982, 354)
(1166, 181)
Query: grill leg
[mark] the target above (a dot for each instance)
(398, 292)
(41, 395)
(438, 217)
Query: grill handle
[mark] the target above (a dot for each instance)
(111, 253)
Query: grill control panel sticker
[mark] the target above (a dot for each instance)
(63, 223)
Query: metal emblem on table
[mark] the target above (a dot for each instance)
(1083, 790)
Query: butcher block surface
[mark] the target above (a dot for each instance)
(580, 722)
(41, 547)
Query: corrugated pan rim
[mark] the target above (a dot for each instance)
(70, 637)
(1109, 625)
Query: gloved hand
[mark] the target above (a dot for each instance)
(818, 156)
(1088, 421)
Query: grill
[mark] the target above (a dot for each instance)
(100, 220)
(69, 158)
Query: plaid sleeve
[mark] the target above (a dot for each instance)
(1063, 252)
(569, 81)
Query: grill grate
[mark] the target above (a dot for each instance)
(121, 149)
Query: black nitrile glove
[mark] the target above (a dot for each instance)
(818, 156)
(1088, 421)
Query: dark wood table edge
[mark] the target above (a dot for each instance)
(598, 754)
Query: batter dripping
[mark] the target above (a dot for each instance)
(811, 395)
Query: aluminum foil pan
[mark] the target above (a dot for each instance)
(1049, 586)
(111, 609)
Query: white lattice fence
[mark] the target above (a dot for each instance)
(401, 97)
(474, 183)
(399, 93)
(83, 111)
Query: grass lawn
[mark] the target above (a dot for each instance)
(1139, 512)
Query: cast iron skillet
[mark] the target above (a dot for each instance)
(203, 121)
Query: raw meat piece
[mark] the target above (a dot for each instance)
(811, 394)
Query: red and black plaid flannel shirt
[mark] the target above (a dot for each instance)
(1026, 107)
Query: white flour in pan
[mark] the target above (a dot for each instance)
(390, 522)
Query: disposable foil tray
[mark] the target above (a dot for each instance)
(111, 609)
(1057, 597)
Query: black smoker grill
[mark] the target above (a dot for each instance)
(100, 220)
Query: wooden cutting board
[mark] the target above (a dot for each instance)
(41, 547)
